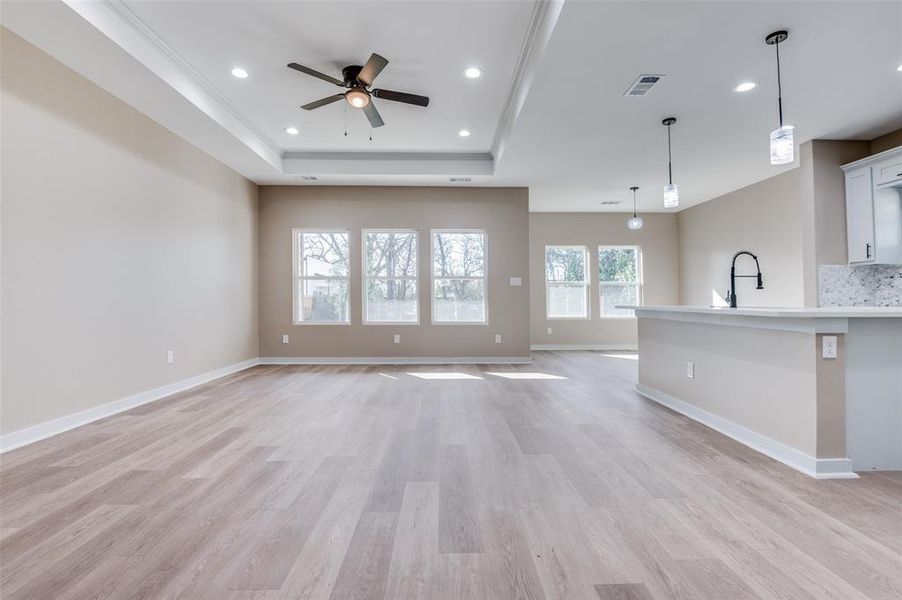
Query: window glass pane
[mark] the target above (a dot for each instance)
(565, 263)
(391, 300)
(566, 300)
(459, 300)
(323, 254)
(618, 264)
(613, 294)
(323, 300)
(458, 254)
(391, 254)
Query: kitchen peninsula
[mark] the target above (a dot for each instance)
(819, 389)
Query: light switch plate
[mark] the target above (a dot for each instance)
(497, 338)
(548, 331)
(690, 370)
(828, 346)
(170, 357)
(397, 338)
(516, 281)
(285, 338)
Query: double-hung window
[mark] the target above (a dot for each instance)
(566, 282)
(458, 276)
(321, 268)
(619, 279)
(390, 277)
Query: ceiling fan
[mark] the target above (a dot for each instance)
(358, 81)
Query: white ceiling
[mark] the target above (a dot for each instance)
(551, 98)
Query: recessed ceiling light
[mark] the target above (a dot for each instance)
(473, 73)
(239, 73)
(745, 86)
(899, 68)
(291, 130)
(464, 133)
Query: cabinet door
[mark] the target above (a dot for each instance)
(888, 171)
(860, 215)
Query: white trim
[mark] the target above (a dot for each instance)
(29, 435)
(395, 360)
(624, 347)
(819, 468)
(544, 17)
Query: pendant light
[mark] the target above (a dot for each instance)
(634, 222)
(781, 142)
(671, 191)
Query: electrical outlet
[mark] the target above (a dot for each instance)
(690, 370)
(516, 281)
(397, 338)
(548, 331)
(497, 338)
(285, 338)
(828, 346)
(170, 357)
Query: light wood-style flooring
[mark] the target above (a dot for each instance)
(342, 482)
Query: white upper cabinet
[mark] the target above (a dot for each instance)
(874, 209)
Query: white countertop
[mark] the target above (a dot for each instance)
(827, 312)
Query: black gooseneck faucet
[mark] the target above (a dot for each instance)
(733, 276)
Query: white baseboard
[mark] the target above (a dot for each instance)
(29, 435)
(611, 347)
(819, 468)
(394, 360)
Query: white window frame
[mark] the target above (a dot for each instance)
(415, 278)
(297, 279)
(586, 282)
(640, 292)
(484, 278)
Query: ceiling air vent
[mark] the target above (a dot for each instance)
(642, 85)
(309, 178)
(609, 202)
(460, 179)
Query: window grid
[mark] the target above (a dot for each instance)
(369, 278)
(480, 280)
(636, 284)
(584, 283)
(300, 279)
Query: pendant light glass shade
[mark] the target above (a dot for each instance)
(671, 196)
(635, 222)
(781, 146)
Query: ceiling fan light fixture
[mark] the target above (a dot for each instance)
(357, 98)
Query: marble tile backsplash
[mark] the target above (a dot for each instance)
(864, 285)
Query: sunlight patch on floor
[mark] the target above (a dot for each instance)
(624, 356)
(444, 375)
(523, 375)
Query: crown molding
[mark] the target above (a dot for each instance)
(544, 17)
(124, 28)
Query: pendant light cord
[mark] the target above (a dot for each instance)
(634, 201)
(669, 159)
(779, 86)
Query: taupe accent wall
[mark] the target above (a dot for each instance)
(501, 212)
(658, 241)
(120, 241)
(764, 218)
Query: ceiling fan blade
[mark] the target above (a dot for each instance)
(315, 73)
(371, 69)
(402, 97)
(373, 115)
(323, 102)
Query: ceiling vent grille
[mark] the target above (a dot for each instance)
(609, 202)
(460, 179)
(643, 85)
(309, 178)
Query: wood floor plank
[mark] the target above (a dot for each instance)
(314, 482)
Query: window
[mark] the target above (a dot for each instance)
(390, 277)
(566, 282)
(321, 272)
(619, 279)
(458, 277)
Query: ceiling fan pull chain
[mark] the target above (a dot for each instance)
(371, 134)
(346, 119)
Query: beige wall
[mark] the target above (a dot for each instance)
(764, 218)
(658, 240)
(119, 242)
(886, 142)
(502, 212)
